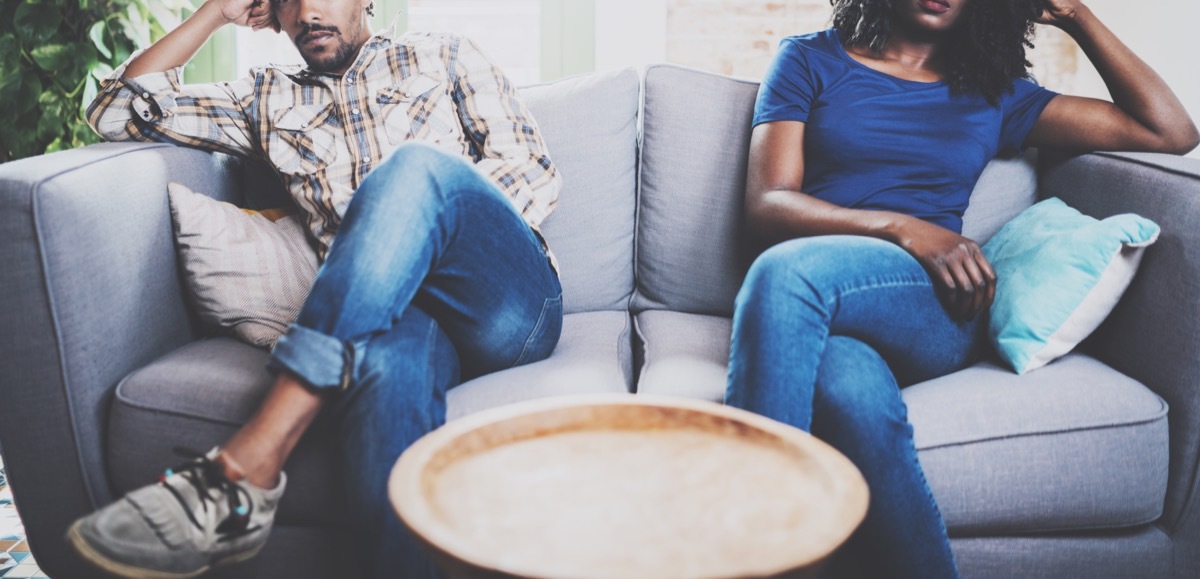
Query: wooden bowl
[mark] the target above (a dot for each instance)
(626, 486)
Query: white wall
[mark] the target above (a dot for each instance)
(630, 33)
(1162, 32)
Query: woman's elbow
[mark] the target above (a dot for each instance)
(1190, 141)
(1181, 141)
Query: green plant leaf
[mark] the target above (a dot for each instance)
(52, 57)
(49, 126)
(10, 51)
(90, 90)
(36, 23)
(83, 134)
(27, 99)
(97, 35)
(10, 68)
(163, 15)
(101, 70)
(137, 28)
(50, 102)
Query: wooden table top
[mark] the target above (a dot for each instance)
(626, 486)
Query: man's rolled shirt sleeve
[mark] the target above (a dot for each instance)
(157, 107)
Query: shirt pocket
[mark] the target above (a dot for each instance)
(305, 139)
(419, 107)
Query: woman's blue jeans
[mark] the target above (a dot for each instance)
(433, 277)
(825, 332)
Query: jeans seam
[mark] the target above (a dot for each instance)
(537, 328)
(843, 293)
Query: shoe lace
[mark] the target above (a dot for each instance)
(203, 474)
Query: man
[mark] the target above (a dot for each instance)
(416, 156)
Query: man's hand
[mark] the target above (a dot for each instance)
(955, 263)
(256, 14)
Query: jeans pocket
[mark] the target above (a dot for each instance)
(544, 336)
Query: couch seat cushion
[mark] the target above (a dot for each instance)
(197, 396)
(1074, 445)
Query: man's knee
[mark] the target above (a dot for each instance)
(417, 174)
(416, 161)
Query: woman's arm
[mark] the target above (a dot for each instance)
(1144, 115)
(777, 210)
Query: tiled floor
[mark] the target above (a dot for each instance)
(16, 562)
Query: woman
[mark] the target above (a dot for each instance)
(868, 140)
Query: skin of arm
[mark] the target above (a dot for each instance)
(1145, 114)
(777, 210)
(181, 44)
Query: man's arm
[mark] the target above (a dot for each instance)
(144, 100)
(512, 153)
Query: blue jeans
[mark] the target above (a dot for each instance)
(825, 332)
(433, 277)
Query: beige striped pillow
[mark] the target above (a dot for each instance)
(244, 272)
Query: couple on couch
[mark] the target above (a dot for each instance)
(416, 156)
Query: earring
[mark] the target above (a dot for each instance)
(371, 10)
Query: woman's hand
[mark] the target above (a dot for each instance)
(1059, 12)
(1144, 115)
(955, 263)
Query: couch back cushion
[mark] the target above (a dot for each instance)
(692, 249)
(590, 127)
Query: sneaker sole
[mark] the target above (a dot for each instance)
(85, 550)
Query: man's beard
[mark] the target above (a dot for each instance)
(343, 53)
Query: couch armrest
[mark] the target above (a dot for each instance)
(89, 292)
(1154, 333)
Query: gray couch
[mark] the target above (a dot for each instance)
(1075, 470)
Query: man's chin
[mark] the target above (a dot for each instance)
(326, 62)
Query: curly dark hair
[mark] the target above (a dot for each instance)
(989, 43)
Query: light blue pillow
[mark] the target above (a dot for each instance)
(1060, 274)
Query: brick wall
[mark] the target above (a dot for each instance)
(739, 37)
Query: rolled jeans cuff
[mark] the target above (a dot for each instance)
(319, 360)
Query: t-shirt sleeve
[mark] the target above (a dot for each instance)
(1021, 109)
(786, 93)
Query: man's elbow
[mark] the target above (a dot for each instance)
(112, 127)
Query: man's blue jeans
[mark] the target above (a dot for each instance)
(433, 277)
(825, 331)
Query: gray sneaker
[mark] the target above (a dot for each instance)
(194, 519)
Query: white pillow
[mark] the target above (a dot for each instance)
(244, 272)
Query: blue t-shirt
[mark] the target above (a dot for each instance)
(874, 141)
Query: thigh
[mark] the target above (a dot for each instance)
(493, 289)
(427, 228)
(876, 292)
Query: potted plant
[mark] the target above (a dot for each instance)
(53, 55)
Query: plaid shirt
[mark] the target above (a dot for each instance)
(324, 133)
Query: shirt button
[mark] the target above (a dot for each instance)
(350, 79)
(366, 160)
(145, 95)
(354, 111)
